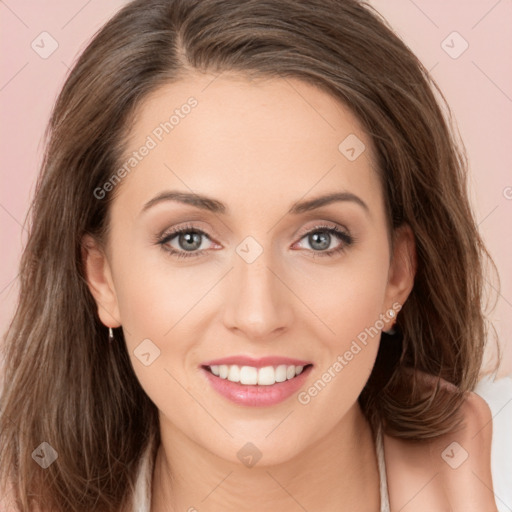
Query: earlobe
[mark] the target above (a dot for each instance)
(403, 265)
(99, 280)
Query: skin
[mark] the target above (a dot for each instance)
(433, 475)
(258, 147)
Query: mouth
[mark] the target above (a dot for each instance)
(253, 376)
(261, 386)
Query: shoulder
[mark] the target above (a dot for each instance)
(478, 420)
(450, 473)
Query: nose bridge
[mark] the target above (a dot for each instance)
(258, 303)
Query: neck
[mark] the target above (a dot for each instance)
(331, 474)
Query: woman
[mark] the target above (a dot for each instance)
(318, 348)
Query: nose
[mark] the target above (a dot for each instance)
(258, 302)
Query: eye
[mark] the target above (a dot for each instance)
(321, 237)
(188, 240)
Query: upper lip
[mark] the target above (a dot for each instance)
(257, 363)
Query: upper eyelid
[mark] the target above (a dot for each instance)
(166, 233)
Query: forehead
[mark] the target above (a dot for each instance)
(226, 134)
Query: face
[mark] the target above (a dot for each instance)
(254, 279)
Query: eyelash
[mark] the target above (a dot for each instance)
(344, 237)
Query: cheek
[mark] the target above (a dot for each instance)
(165, 305)
(152, 315)
(151, 296)
(346, 355)
(145, 304)
(346, 297)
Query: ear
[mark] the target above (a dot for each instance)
(99, 280)
(402, 267)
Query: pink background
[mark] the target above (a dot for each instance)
(477, 85)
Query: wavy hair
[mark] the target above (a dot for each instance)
(64, 383)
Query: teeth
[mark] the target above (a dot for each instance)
(249, 375)
(234, 373)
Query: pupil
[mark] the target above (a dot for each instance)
(191, 238)
(324, 240)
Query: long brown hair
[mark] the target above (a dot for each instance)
(66, 385)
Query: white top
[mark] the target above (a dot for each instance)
(142, 496)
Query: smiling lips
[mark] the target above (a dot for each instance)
(256, 382)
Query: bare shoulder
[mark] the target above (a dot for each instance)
(450, 473)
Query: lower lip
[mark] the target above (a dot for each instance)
(254, 395)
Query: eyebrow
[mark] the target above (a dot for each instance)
(207, 203)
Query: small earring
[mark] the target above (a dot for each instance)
(110, 335)
(390, 331)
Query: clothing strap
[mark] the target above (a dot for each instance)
(384, 496)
